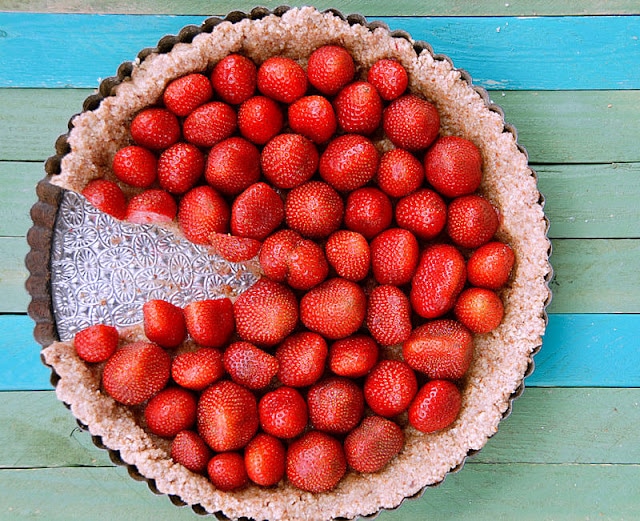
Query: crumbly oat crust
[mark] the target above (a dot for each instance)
(501, 357)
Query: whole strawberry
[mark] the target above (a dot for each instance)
(394, 256)
(233, 165)
(234, 78)
(314, 209)
(371, 445)
(453, 166)
(210, 124)
(388, 315)
(399, 173)
(155, 128)
(107, 197)
(349, 162)
(260, 119)
(490, 265)
(256, 212)
(335, 309)
(315, 462)
(183, 95)
(136, 372)
(471, 221)
(266, 313)
(436, 406)
(283, 412)
(135, 166)
(353, 356)
(411, 122)
(180, 167)
(275, 251)
(197, 370)
(313, 117)
(282, 79)
(480, 309)
(96, 343)
(358, 108)
(301, 358)
(349, 254)
(390, 387)
(264, 458)
(227, 416)
(203, 211)
(227, 471)
(438, 280)
(424, 213)
(330, 68)
(170, 411)
(249, 365)
(306, 265)
(164, 323)
(210, 322)
(288, 160)
(389, 77)
(191, 451)
(336, 405)
(368, 211)
(152, 206)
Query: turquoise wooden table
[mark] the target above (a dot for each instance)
(567, 75)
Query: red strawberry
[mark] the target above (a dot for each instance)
(180, 167)
(453, 166)
(227, 471)
(289, 160)
(353, 356)
(155, 128)
(259, 119)
(233, 248)
(107, 197)
(399, 173)
(440, 349)
(313, 117)
(349, 162)
(227, 416)
(136, 372)
(264, 458)
(197, 370)
(315, 462)
(302, 358)
(330, 68)
(411, 122)
(314, 209)
(390, 387)
(233, 165)
(266, 313)
(349, 254)
(335, 309)
(249, 365)
(436, 406)
(234, 78)
(210, 322)
(368, 211)
(209, 124)
(438, 280)
(282, 79)
(283, 412)
(306, 265)
(371, 445)
(164, 323)
(336, 405)
(471, 221)
(170, 411)
(389, 77)
(394, 256)
(423, 212)
(256, 212)
(135, 165)
(388, 315)
(275, 251)
(183, 95)
(203, 211)
(358, 108)
(480, 309)
(490, 265)
(190, 450)
(152, 206)
(96, 343)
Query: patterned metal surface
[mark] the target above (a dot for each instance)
(104, 270)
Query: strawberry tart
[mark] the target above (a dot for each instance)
(289, 265)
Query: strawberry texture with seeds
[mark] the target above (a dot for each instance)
(183, 95)
(96, 343)
(368, 211)
(266, 313)
(424, 213)
(453, 166)
(283, 412)
(282, 79)
(388, 315)
(170, 411)
(307, 265)
(394, 256)
(411, 122)
(436, 406)
(371, 445)
(191, 451)
(209, 124)
(336, 405)
(227, 471)
(256, 212)
(301, 358)
(260, 119)
(358, 108)
(135, 166)
(107, 197)
(480, 309)
(264, 458)
(136, 372)
(210, 322)
(234, 78)
(399, 173)
(390, 388)
(249, 365)
(315, 462)
(227, 416)
(349, 254)
(313, 117)
(471, 221)
(232, 165)
(314, 209)
(330, 68)
(389, 77)
(155, 128)
(164, 323)
(201, 212)
(152, 206)
(288, 160)
(180, 167)
(353, 356)
(275, 251)
(490, 265)
(335, 309)
(349, 162)
(197, 370)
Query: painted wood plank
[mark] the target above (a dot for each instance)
(480, 492)
(17, 194)
(589, 350)
(533, 53)
(13, 275)
(368, 8)
(555, 126)
(547, 426)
